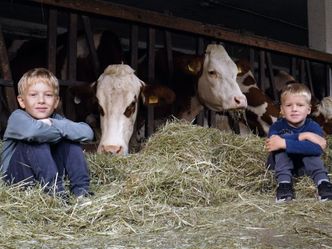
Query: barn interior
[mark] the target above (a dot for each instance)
(272, 35)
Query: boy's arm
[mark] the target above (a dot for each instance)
(275, 143)
(314, 138)
(303, 147)
(74, 131)
(21, 126)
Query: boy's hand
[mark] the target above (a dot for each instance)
(46, 121)
(274, 143)
(314, 138)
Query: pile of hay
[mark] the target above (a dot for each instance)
(191, 184)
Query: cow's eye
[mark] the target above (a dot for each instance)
(130, 109)
(101, 111)
(212, 73)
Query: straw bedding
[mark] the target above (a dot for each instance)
(189, 187)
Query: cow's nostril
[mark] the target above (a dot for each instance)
(240, 101)
(114, 149)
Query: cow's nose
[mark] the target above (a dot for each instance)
(241, 101)
(114, 149)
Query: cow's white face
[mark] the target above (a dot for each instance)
(217, 86)
(118, 91)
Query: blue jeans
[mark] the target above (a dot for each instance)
(286, 165)
(48, 164)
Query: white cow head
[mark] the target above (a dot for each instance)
(217, 86)
(118, 92)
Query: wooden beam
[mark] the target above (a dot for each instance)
(176, 23)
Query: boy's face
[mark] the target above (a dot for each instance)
(39, 100)
(295, 109)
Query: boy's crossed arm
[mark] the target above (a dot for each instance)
(275, 142)
(314, 138)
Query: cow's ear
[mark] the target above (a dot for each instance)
(195, 66)
(189, 64)
(83, 92)
(157, 95)
(243, 66)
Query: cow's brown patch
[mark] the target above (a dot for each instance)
(255, 97)
(243, 67)
(249, 81)
(254, 125)
(130, 110)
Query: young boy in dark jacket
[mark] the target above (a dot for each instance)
(297, 140)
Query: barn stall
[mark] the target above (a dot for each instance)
(189, 193)
(143, 31)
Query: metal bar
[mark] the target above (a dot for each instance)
(293, 67)
(309, 77)
(151, 76)
(271, 76)
(169, 55)
(261, 72)
(302, 71)
(51, 39)
(72, 64)
(200, 50)
(72, 44)
(134, 47)
(328, 71)
(91, 45)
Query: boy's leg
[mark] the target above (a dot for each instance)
(314, 167)
(33, 162)
(70, 158)
(283, 167)
(283, 172)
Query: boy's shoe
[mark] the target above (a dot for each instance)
(325, 191)
(285, 192)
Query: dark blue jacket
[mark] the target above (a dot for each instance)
(291, 136)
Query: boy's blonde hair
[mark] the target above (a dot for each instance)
(36, 75)
(296, 89)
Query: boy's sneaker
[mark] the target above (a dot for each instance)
(325, 191)
(285, 192)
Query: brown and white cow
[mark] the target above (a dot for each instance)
(322, 114)
(204, 81)
(261, 111)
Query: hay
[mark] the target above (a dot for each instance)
(188, 187)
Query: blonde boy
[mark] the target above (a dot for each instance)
(40, 145)
(297, 141)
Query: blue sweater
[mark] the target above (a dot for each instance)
(22, 127)
(291, 136)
